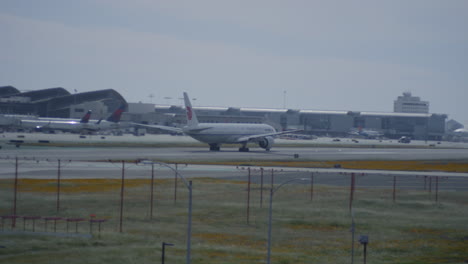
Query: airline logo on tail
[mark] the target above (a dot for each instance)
(189, 113)
(86, 117)
(115, 117)
(192, 120)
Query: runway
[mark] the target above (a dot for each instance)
(188, 154)
(48, 169)
(80, 163)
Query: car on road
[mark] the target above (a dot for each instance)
(404, 140)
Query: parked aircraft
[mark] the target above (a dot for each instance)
(366, 133)
(459, 135)
(215, 134)
(57, 123)
(112, 122)
(83, 125)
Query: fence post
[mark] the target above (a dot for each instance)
(13, 220)
(272, 178)
(430, 184)
(351, 192)
(122, 189)
(152, 190)
(261, 187)
(175, 184)
(58, 186)
(311, 186)
(248, 197)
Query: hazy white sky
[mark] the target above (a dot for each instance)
(326, 55)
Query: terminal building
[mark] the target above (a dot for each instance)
(410, 104)
(320, 123)
(58, 102)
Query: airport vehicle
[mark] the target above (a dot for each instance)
(215, 134)
(404, 140)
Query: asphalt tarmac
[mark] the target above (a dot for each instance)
(187, 154)
(48, 169)
(80, 162)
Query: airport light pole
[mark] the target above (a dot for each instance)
(352, 236)
(272, 191)
(284, 99)
(188, 184)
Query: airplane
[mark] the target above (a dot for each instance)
(216, 134)
(112, 122)
(459, 135)
(366, 133)
(84, 125)
(57, 124)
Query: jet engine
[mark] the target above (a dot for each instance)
(266, 142)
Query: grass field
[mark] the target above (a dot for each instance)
(414, 229)
(400, 165)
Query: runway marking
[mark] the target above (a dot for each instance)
(360, 153)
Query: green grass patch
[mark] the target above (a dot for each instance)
(414, 229)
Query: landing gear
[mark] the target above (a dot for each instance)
(214, 147)
(244, 148)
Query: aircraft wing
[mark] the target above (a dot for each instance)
(167, 128)
(256, 137)
(196, 130)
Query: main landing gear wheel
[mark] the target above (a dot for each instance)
(214, 147)
(243, 149)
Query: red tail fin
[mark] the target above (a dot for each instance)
(115, 117)
(86, 117)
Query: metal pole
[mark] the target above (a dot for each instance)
(365, 253)
(122, 188)
(189, 228)
(175, 184)
(311, 186)
(352, 236)
(272, 178)
(58, 186)
(162, 255)
(189, 231)
(437, 188)
(430, 184)
(394, 188)
(351, 192)
(13, 220)
(163, 251)
(261, 187)
(269, 226)
(248, 197)
(164, 244)
(272, 191)
(152, 189)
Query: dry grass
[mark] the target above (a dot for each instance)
(413, 230)
(409, 165)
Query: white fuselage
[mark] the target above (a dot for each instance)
(70, 125)
(226, 132)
